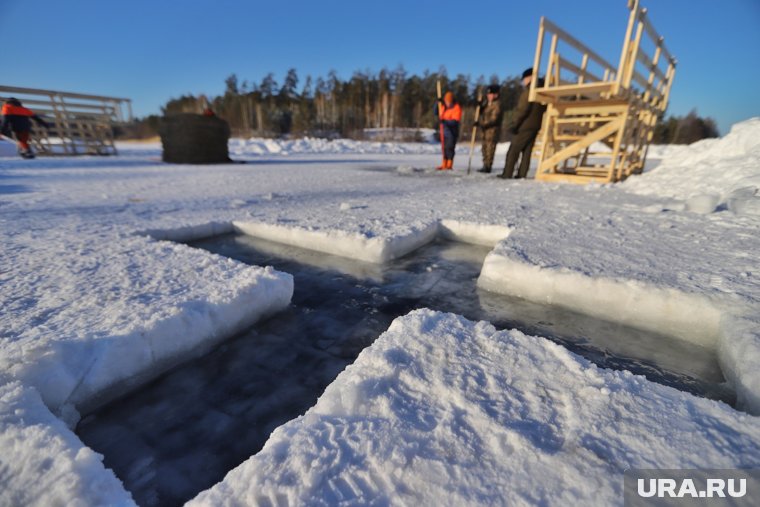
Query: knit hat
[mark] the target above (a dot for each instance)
(494, 89)
(527, 72)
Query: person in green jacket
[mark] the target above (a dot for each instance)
(490, 122)
(525, 126)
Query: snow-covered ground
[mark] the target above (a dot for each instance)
(95, 303)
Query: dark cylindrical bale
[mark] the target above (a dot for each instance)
(194, 139)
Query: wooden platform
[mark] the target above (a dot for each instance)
(81, 124)
(599, 118)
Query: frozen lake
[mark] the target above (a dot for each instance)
(182, 433)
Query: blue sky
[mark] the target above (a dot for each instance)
(151, 51)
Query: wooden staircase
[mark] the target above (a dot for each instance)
(599, 118)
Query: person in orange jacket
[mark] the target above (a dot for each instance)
(449, 115)
(17, 118)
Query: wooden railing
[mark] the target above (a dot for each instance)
(599, 118)
(652, 83)
(563, 72)
(80, 123)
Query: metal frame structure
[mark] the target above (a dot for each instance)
(599, 119)
(80, 124)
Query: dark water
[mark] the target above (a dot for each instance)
(183, 432)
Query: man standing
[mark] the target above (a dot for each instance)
(16, 118)
(449, 115)
(525, 126)
(490, 122)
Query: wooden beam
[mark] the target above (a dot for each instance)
(570, 178)
(575, 43)
(573, 89)
(587, 141)
(537, 59)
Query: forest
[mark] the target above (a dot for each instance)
(392, 100)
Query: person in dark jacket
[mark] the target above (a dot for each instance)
(449, 115)
(490, 122)
(525, 126)
(18, 120)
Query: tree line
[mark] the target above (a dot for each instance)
(389, 99)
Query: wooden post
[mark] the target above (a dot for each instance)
(537, 60)
(633, 5)
(475, 128)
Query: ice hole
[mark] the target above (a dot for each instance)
(183, 432)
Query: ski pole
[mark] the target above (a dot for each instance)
(475, 128)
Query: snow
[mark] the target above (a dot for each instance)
(443, 411)
(109, 311)
(96, 301)
(43, 463)
(723, 170)
(308, 145)
(7, 147)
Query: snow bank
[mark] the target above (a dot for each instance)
(726, 170)
(43, 463)
(310, 145)
(443, 411)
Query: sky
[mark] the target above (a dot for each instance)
(151, 51)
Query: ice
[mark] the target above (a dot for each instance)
(444, 411)
(208, 416)
(703, 203)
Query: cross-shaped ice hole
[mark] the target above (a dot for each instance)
(183, 432)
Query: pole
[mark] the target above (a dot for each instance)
(475, 128)
(440, 123)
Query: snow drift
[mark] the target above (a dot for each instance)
(710, 173)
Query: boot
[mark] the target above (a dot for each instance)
(446, 166)
(442, 166)
(486, 170)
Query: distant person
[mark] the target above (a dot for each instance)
(525, 126)
(490, 122)
(17, 119)
(205, 106)
(449, 115)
